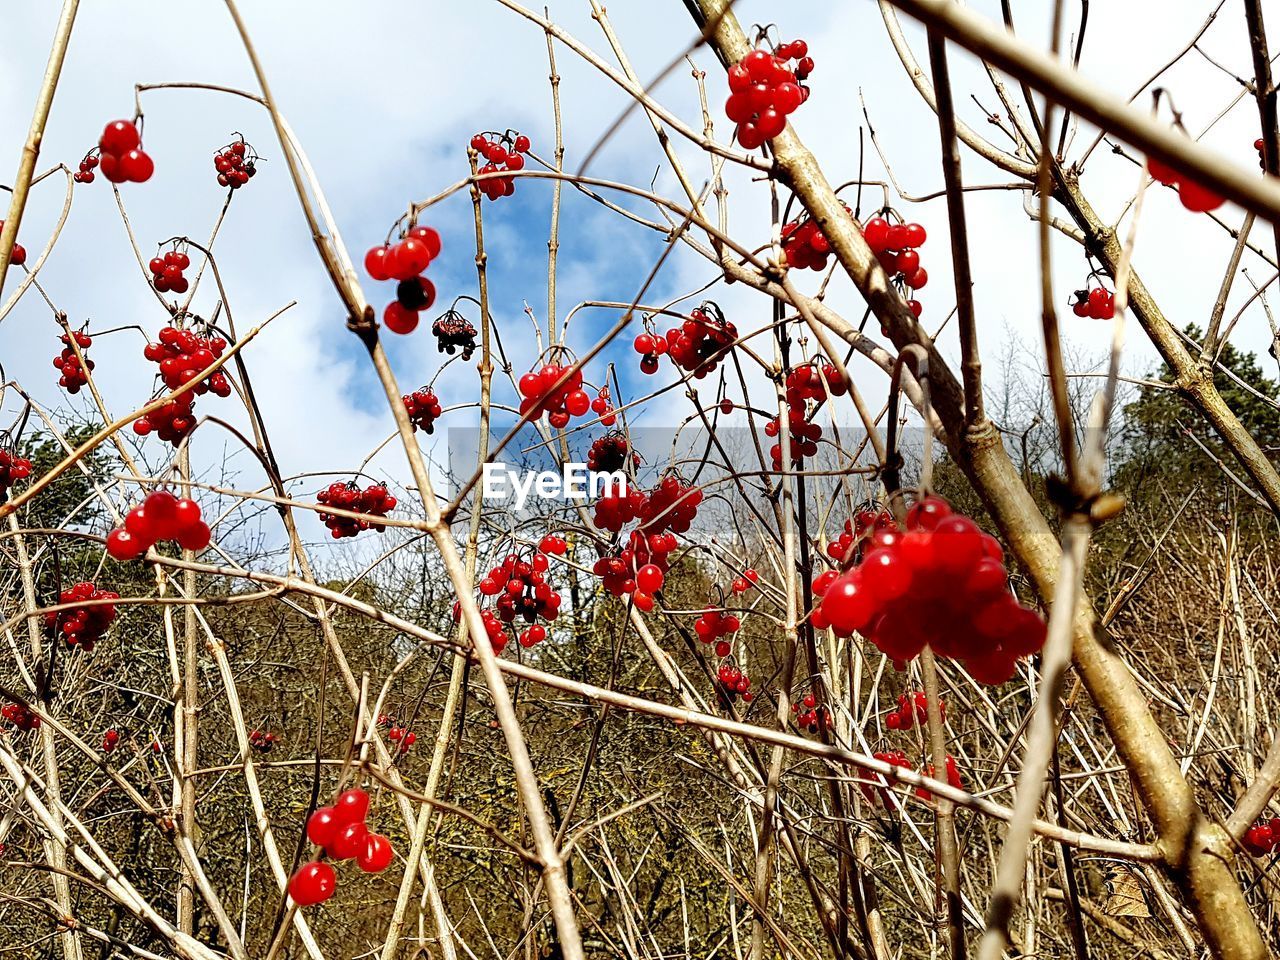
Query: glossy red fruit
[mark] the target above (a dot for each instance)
(376, 262)
(649, 578)
(122, 545)
(876, 233)
(314, 883)
(352, 806)
(195, 537)
(925, 514)
(847, 605)
(399, 320)
(322, 825)
(957, 543)
(137, 165)
(186, 513)
(376, 855)
(770, 123)
(1198, 199)
(119, 137)
(348, 841)
(908, 262)
(429, 238)
(885, 574)
(409, 258)
(140, 525)
(161, 515)
(111, 168)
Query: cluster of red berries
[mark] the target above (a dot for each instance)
(82, 626)
(554, 544)
(804, 383)
(262, 740)
(110, 738)
(236, 163)
(611, 452)
(522, 591)
(942, 582)
(1262, 838)
(863, 523)
(423, 407)
(672, 504)
(73, 376)
(811, 715)
(122, 157)
(12, 469)
(953, 778)
(619, 572)
(540, 395)
(744, 583)
(405, 262)
(696, 346)
(911, 710)
(1097, 304)
(453, 331)
(343, 833)
(804, 245)
(182, 355)
(1194, 197)
(492, 626)
(877, 788)
(897, 246)
(764, 91)
(87, 165)
(161, 516)
(668, 509)
(814, 381)
(713, 625)
(734, 682)
(503, 152)
(21, 717)
(398, 734)
(17, 256)
(602, 407)
(374, 500)
(166, 271)
(171, 422)
(804, 436)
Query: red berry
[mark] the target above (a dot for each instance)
(649, 578)
(399, 320)
(351, 806)
(377, 262)
(428, 237)
(408, 258)
(136, 165)
(321, 826)
(122, 545)
(348, 841)
(376, 855)
(314, 883)
(119, 137)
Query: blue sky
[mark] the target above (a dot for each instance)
(384, 101)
